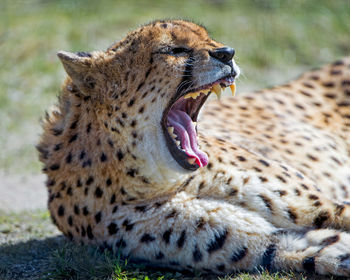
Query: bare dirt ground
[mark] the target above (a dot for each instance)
(22, 192)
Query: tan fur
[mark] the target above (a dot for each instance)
(277, 177)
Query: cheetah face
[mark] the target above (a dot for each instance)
(148, 89)
(206, 67)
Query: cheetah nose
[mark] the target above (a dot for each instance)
(224, 54)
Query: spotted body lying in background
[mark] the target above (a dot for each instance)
(262, 180)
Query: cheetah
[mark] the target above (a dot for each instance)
(258, 181)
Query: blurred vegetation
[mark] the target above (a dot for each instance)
(274, 41)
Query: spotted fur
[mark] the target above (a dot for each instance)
(275, 192)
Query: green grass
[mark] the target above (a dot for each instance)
(274, 41)
(32, 248)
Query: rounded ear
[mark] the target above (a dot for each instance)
(79, 68)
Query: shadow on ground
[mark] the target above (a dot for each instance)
(57, 258)
(29, 260)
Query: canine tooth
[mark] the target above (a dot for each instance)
(233, 89)
(217, 90)
(171, 129)
(194, 123)
(177, 142)
(191, 160)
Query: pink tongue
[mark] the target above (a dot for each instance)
(185, 130)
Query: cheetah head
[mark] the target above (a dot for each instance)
(149, 88)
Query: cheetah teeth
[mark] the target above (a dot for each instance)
(174, 136)
(233, 89)
(216, 88)
(171, 132)
(194, 95)
(191, 160)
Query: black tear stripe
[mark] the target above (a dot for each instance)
(185, 83)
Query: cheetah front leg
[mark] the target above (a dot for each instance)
(209, 235)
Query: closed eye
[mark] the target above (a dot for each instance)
(179, 50)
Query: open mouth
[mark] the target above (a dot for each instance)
(180, 123)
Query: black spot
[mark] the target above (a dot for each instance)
(88, 128)
(172, 214)
(220, 267)
(73, 138)
(69, 191)
(120, 244)
(50, 183)
(79, 184)
(112, 199)
(74, 125)
(166, 235)
(309, 264)
(89, 181)
(181, 241)
(83, 231)
(69, 158)
(110, 143)
(89, 232)
(197, 254)
(127, 225)
(282, 179)
(330, 240)
(120, 155)
(103, 157)
(313, 197)
(218, 241)
(57, 147)
(328, 84)
(98, 217)
(146, 238)
(115, 209)
(237, 256)
(85, 211)
(98, 192)
(160, 255)
(292, 215)
(55, 167)
(320, 219)
(87, 163)
(57, 131)
(76, 209)
(70, 220)
(268, 257)
(60, 211)
(267, 201)
(131, 172)
(141, 208)
(82, 154)
(148, 72)
(112, 228)
(240, 158)
(264, 162)
(131, 102)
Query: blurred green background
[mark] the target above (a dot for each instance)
(274, 41)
